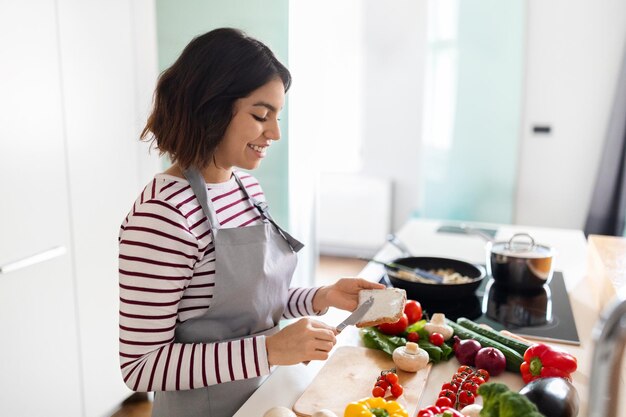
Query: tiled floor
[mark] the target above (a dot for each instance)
(329, 270)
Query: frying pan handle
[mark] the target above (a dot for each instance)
(393, 239)
(477, 232)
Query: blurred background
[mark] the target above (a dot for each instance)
(465, 110)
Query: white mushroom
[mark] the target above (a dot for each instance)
(279, 412)
(472, 410)
(437, 324)
(410, 358)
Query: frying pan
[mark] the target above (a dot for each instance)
(426, 293)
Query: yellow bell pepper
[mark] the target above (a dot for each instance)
(374, 407)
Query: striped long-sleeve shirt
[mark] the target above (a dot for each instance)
(167, 276)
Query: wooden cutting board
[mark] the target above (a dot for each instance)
(349, 375)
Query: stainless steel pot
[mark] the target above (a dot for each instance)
(520, 264)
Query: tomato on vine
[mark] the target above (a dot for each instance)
(396, 390)
(466, 398)
(391, 378)
(483, 374)
(378, 391)
(478, 379)
(448, 394)
(471, 386)
(452, 386)
(444, 402)
(387, 379)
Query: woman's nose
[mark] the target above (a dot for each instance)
(273, 130)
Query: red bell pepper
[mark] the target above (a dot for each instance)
(431, 411)
(434, 410)
(542, 361)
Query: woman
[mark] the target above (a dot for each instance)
(204, 270)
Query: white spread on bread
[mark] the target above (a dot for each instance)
(388, 306)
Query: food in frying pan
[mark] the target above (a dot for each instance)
(450, 276)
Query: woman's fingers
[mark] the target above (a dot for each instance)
(368, 285)
(323, 331)
(302, 341)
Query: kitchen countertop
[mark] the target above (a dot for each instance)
(287, 383)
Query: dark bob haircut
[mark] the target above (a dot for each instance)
(195, 97)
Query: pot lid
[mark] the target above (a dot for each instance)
(521, 245)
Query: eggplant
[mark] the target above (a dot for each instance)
(554, 397)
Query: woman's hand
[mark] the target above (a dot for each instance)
(302, 341)
(343, 294)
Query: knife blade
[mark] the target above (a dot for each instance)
(356, 315)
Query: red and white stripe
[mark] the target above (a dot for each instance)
(167, 276)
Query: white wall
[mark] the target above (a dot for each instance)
(572, 57)
(574, 52)
(355, 108)
(393, 85)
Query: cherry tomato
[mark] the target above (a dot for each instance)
(378, 392)
(471, 386)
(396, 390)
(383, 384)
(465, 369)
(413, 311)
(448, 394)
(391, 378)
(458, 379)
(466, 397)
(452, 386)
(477, 379)
(436, 339)
(395, 328)
(443, 402)
(483, 374)
(413, 337)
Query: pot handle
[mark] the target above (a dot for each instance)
(517, 245)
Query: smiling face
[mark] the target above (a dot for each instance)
(251, 131)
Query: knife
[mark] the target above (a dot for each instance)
(356, 315)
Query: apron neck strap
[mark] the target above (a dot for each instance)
(264, 210)
(198, 186)
(260, 205)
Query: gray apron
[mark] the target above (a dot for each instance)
(253, 266)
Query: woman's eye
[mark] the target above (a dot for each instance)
(259, 119)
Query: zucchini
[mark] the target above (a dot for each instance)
(517, 345)
(513, 359)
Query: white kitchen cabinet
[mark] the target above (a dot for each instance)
(39, 353)
(76, 81)
(102, 66)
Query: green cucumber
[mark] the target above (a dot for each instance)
(513, 359)
(517, 345)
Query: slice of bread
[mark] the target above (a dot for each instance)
(387, 308)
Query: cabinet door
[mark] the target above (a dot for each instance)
(99, 57)
(39, 356)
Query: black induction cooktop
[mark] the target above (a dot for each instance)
(545, 314)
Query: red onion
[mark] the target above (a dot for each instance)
(466, 350)
(491, 360)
